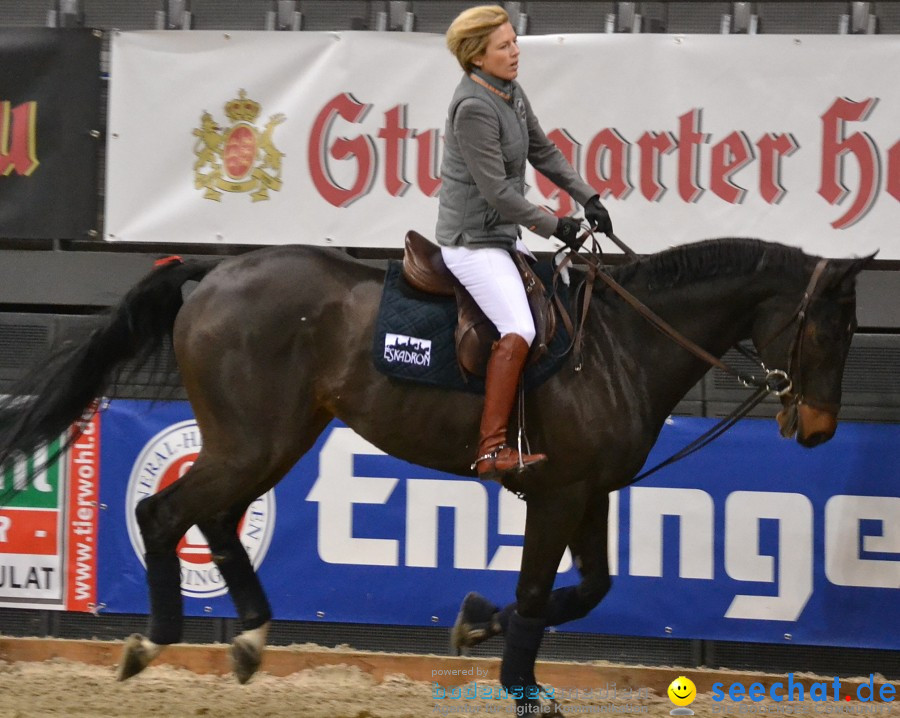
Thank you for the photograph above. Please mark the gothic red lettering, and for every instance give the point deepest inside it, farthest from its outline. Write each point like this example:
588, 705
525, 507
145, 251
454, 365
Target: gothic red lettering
893, 180
360, 149
427, 176
772, 148
729, 156
689, 140
836, 146
395, 133
570, 149
18, 138
653, 146
606, 164
343, 168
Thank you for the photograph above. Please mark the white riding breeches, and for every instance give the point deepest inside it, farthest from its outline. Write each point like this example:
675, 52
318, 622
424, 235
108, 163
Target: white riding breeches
491, 277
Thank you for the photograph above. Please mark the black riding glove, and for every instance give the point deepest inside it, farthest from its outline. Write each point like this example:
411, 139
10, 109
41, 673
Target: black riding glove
597, 216
568, 229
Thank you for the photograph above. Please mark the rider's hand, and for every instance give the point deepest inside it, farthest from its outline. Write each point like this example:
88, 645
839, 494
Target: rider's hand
568, 229
597, 216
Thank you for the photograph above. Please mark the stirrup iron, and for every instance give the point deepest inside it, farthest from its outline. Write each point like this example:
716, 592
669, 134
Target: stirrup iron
494, 454
521, 434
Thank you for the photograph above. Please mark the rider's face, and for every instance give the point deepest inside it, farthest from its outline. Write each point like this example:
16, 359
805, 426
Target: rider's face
501, 57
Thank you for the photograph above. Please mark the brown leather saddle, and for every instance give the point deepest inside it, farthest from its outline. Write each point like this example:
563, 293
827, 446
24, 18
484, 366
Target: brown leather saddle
425, 271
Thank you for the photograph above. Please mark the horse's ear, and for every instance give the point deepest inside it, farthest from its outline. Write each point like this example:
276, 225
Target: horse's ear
845, 269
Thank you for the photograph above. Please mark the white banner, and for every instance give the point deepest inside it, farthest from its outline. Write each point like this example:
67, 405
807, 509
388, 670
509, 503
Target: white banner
335, 138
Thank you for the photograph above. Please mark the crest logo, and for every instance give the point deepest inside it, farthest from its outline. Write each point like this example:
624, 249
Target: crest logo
239, 158
165, 458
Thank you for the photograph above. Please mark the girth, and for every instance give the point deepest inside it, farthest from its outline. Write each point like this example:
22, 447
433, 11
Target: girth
425, 271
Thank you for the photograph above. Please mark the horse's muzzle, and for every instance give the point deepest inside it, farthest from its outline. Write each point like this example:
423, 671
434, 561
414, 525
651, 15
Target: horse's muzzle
811, 426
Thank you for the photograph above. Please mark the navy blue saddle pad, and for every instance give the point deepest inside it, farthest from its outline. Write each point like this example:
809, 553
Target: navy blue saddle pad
414, 338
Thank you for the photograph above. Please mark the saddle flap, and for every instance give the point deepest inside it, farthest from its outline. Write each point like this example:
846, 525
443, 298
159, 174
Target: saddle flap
475, 334
424, 268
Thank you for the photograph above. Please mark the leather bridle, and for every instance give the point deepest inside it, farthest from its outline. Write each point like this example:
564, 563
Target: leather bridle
794, 390
776, 382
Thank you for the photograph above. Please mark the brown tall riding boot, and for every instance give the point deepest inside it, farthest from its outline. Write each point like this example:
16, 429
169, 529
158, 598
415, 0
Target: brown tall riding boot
504, 369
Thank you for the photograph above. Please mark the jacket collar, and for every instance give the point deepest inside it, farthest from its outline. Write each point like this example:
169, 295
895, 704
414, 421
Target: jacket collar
503, 88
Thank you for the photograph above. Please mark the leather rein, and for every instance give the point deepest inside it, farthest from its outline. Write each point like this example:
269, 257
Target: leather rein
777, 382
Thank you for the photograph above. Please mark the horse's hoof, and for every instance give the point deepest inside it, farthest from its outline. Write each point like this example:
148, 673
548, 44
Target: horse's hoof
474, 623
136, 656
245, 658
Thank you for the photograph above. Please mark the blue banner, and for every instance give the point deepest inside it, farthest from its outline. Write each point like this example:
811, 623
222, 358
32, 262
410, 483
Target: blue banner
754, 538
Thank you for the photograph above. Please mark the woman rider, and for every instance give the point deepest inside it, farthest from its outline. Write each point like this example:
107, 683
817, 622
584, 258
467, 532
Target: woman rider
490, 133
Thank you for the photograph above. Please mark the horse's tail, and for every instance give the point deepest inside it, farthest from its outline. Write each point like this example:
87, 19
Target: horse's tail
56, 394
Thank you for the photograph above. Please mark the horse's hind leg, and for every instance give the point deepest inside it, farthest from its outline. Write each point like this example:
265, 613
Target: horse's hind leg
208, 488
245, 590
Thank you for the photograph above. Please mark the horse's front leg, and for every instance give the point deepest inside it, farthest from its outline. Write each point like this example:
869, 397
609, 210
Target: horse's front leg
549, 526
589, 551
480, 619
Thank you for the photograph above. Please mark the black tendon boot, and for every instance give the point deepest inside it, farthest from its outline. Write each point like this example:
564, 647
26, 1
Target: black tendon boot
244, 587
523, 639
164, 581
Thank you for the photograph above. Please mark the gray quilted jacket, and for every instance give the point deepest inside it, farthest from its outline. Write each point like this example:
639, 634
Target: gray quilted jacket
487, 142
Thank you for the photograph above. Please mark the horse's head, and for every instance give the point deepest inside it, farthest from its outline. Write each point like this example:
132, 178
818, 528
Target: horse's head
806, 331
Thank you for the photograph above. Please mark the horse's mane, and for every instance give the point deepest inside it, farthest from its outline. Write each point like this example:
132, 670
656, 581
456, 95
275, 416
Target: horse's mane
710, 259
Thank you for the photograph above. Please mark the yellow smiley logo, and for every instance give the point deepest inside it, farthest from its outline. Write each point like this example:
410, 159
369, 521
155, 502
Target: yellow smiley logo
682, 691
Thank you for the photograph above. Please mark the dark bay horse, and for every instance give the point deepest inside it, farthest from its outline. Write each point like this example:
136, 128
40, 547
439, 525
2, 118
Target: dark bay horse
273, 344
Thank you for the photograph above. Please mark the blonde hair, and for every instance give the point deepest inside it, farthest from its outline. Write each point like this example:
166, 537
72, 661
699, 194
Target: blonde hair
467, 37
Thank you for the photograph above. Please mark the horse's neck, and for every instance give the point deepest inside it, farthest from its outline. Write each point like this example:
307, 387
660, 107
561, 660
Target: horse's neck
714, 314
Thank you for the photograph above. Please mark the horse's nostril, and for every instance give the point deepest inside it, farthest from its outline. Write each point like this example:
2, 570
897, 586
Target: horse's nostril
815, 426
815, 439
